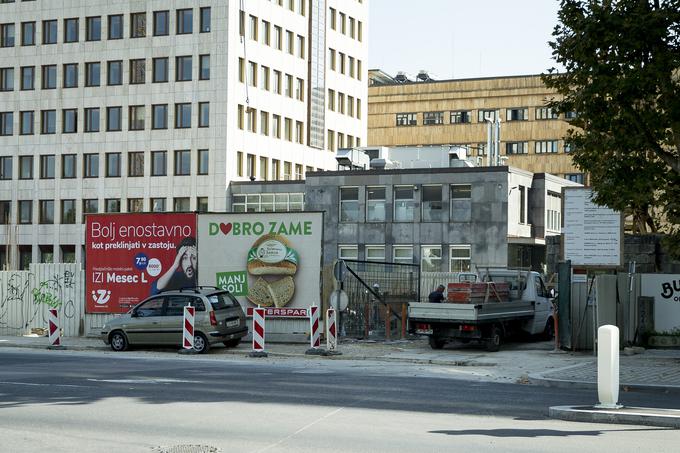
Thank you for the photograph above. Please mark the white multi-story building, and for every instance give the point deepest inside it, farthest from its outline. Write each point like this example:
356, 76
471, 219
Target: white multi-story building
157, 105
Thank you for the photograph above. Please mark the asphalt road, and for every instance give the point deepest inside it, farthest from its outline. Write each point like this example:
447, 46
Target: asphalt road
95, 402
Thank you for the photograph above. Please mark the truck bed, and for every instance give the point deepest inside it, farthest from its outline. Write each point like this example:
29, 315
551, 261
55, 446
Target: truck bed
470, 313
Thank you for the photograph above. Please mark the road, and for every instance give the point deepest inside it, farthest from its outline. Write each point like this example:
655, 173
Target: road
103, 402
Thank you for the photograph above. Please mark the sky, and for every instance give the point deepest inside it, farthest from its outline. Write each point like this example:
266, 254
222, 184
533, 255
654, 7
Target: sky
461, 38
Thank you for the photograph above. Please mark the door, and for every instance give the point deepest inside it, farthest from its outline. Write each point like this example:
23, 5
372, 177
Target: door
544, 308
145, 324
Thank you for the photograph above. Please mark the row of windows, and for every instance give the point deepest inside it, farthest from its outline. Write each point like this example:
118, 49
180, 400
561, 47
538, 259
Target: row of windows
270, 79
404, 199
113, 165
261, 31
67, 208
352, 109
247, 119
346, 25
430, 255
93, 27
338, 64
255, 167
114, 119
137, 73
45, 252
465, 116
268, 202
341, 143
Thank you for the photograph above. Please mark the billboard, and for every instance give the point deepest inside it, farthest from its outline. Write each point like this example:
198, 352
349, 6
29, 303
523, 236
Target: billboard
268, 259
131, 256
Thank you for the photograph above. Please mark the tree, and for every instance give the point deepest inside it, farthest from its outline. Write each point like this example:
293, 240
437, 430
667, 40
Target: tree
622, 78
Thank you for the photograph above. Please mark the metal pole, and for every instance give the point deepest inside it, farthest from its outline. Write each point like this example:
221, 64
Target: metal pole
497, 147
489, 144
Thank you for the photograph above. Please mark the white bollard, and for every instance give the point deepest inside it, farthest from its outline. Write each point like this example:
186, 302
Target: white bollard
608, 367
188, 331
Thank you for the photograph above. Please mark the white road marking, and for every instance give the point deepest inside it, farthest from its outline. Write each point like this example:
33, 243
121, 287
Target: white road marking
33, 384
146, 381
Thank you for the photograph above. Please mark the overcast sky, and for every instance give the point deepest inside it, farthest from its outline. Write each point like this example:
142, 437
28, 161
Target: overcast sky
461, 38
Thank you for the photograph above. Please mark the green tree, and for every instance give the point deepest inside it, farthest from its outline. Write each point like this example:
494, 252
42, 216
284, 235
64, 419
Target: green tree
622, 78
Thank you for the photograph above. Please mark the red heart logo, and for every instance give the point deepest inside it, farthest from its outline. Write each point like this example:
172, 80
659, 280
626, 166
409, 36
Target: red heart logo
225, 228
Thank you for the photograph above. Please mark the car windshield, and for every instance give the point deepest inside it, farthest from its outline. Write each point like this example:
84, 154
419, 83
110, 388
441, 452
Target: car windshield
220, 301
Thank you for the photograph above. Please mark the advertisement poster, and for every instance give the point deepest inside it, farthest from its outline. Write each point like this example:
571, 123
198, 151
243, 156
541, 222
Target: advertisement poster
665, 289
268, 259
132, 256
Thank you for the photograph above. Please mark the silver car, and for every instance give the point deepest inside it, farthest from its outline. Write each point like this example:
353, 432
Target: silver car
158, 320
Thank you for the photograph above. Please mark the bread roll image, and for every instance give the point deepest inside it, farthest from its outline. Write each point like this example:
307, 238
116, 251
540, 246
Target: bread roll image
272, 254
282, 291
277, 293
260, 294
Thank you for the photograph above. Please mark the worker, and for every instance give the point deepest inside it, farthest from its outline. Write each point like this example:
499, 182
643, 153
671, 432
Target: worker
437, 295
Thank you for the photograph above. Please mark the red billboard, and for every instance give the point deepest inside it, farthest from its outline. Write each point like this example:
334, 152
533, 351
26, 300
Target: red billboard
129, 257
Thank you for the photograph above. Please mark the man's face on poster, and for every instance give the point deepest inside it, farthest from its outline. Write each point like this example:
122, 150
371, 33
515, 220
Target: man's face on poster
190, 262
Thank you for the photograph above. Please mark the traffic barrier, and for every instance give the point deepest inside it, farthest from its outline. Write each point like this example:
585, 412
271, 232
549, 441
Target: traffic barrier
53, 328
188, 331
331, 330
258, 333
315, 334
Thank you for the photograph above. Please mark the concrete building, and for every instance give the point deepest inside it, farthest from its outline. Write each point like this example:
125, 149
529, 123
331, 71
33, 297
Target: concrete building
419, 111
158, 105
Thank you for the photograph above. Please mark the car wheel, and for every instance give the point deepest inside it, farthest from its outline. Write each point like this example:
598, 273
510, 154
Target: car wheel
232, 343
118, 341
201, 344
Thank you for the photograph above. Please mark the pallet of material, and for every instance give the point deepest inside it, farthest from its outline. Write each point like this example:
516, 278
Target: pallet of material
478, 292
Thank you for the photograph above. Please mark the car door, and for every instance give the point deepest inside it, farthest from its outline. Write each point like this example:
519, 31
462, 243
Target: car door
543, 306
145, 324
174, 316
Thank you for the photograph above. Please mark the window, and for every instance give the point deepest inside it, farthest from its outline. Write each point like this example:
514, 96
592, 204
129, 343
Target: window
91, 165
252, 73
28, 34
300, 90
183, 68
290, 42
523, 199
203, 114
402, 254
49, 32
404, 204
430, 258
432, 204
27, 78
264, 168
68, 166
459, 258
7, 35
69, 119
182, 115
430, 118
483, 115
5, 167
48, 122
46, 214
276, 126
406, 119
161, 23
26, 122
181, 204
461, 117
158, 205
278, 37
112, 205
92, 74
545, 113
135, 205
137, 25
158, 163
6, 123
68, 211
349, 204
159, 115
182, 162
348, 252
204, 67
46, 253
205, 20
47, 166
113, 165
264, 78
265, 33
299, 132
25, 214
138, 71
114, 72
253, 27
461, 200
113, 119
160, 70
288, 129
93, 28
71, 30
185, 21
570, 115
71, 75
49, 77
135, 164
517, 114
375, 253
301, 46
546, 146
203, 162
68, 253
250, 165
516, 148
333, 19
375, 204
202, 204
574, 177
136, 118
553, 209
25, 167
90, 206
115, 26
5, 215
264, 123
92, 119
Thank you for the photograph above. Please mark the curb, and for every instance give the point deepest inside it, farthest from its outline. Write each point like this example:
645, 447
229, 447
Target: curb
665, 418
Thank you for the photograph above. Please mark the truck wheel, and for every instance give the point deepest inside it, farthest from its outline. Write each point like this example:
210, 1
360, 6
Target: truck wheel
549, 331
493, 343
436, 343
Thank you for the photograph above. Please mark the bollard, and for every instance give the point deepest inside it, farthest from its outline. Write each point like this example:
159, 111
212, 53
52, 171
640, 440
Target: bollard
608, 367
258, 333
53, 329
331, 331
188, 331
314, 332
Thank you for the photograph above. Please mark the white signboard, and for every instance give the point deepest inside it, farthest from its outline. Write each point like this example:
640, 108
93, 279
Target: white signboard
268, 259
665, 289
592, 233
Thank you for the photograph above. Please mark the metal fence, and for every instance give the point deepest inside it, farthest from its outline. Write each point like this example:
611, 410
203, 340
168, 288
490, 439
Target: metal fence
378, 295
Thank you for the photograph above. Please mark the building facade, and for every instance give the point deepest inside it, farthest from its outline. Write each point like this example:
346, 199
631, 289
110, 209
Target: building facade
158, 105
403, 112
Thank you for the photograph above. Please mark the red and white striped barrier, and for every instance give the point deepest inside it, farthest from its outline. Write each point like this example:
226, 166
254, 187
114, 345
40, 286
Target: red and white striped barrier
258, 329
331, 330
53, 327
188, 331
315, 334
